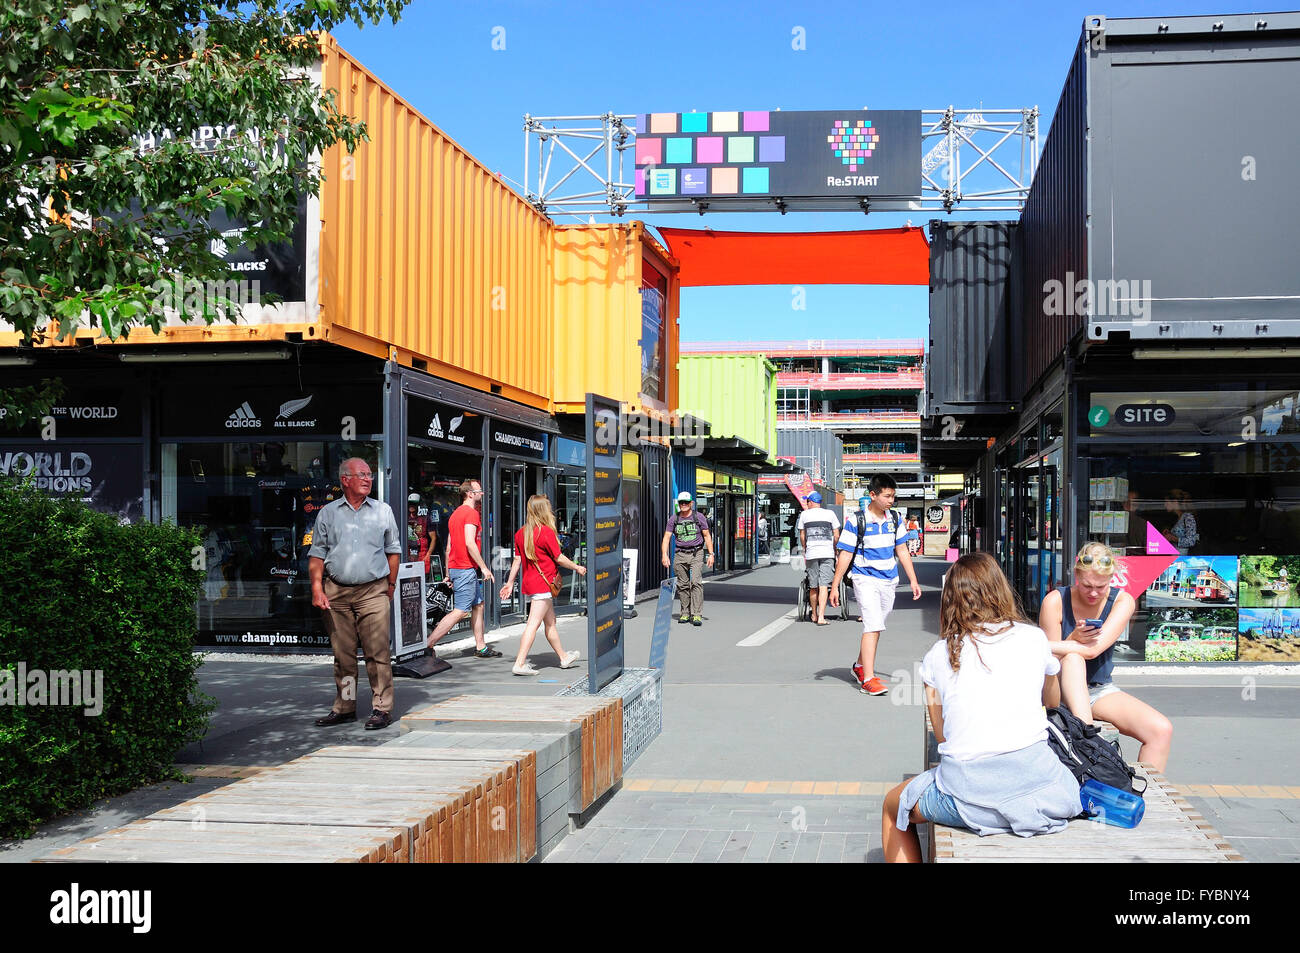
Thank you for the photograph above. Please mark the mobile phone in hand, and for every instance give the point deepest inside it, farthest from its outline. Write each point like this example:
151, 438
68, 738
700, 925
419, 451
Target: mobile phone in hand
1094, 623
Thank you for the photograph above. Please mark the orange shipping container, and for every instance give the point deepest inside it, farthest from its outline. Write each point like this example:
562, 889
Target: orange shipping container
417, 252
599, 274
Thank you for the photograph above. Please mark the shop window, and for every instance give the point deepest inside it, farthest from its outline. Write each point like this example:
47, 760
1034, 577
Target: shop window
654, 310
570, 519
256, 504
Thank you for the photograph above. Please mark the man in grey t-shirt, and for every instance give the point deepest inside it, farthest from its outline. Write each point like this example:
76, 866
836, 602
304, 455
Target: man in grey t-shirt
819, 531
355, 551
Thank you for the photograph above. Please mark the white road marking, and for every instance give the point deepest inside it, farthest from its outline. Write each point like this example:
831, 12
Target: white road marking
770, 630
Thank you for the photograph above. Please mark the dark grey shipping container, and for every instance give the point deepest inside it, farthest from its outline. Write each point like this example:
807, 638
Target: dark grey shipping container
809, 445
1162, 205
975, 302
1053, 233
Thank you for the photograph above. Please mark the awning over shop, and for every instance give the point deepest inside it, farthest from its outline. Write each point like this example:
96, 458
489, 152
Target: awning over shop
886, 256
735, 453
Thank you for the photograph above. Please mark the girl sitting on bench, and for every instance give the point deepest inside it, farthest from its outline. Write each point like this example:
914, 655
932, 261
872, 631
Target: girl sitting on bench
984, 684
1085, 653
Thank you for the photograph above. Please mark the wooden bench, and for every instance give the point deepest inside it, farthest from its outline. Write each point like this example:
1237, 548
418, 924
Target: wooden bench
597, 723
472, 779
344, 804
557, 760
1171, 830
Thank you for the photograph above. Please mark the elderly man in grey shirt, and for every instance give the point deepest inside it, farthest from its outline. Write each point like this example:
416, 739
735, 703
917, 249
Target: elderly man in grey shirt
353, 562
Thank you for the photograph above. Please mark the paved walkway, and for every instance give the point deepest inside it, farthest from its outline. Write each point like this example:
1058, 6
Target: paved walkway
769, 753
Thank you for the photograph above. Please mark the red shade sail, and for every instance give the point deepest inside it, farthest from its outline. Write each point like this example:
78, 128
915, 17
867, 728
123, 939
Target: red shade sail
887, 256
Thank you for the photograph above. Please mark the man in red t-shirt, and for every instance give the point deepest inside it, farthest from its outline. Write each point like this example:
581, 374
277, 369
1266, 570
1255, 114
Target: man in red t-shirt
464, 563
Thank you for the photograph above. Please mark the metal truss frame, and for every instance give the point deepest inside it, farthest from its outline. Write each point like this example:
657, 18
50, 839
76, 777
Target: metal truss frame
594, 149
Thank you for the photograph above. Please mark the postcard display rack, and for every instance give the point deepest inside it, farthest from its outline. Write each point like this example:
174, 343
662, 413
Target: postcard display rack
1107, 518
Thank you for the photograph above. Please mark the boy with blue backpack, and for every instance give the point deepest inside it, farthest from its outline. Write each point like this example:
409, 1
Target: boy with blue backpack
871, 547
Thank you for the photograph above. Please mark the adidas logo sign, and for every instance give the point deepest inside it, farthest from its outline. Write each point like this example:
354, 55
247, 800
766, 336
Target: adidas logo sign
435, 428
243, 417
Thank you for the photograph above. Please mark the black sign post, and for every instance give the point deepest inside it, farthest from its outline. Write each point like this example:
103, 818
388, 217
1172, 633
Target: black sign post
604, 520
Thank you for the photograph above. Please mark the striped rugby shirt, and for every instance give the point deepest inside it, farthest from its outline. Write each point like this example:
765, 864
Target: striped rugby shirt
876, 560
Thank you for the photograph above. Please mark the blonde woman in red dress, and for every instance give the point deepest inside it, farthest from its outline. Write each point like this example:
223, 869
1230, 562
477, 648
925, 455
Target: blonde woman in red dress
537, 550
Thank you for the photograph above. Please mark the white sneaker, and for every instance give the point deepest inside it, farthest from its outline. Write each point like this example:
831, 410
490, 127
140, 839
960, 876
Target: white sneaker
569, 659
525, 669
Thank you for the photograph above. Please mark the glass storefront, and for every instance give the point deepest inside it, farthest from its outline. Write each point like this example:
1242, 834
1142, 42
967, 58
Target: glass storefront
1198, 485
256, 503
570, 513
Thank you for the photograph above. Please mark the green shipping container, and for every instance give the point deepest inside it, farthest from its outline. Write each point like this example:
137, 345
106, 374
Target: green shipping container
735, 393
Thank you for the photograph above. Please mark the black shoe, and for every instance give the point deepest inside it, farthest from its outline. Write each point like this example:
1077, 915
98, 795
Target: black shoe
697, 620
336, 718
486, 652
378, 719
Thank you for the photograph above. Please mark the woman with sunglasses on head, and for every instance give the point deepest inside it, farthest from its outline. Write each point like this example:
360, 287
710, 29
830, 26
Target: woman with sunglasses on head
985, 682
537, 550
1085, 652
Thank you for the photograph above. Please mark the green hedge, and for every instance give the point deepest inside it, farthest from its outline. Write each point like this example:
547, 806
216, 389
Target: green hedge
82, 592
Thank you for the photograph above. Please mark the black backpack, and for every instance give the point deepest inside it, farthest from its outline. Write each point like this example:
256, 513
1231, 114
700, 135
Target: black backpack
862, 528
1082, 749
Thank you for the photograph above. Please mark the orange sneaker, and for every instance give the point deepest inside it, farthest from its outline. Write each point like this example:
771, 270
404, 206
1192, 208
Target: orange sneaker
873, 686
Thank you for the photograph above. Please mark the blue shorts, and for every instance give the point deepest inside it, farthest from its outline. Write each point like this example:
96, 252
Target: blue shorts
468, 588
939, 807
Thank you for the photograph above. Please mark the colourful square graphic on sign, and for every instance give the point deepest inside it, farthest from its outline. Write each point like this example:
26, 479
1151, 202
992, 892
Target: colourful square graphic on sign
640, 181
726, 122
695, 122
663, 182
708, 149
754, 181
695, 181
649, 151
725, 181
756, 122
663, 122
679, 151
639, 124
740, 149
771, 148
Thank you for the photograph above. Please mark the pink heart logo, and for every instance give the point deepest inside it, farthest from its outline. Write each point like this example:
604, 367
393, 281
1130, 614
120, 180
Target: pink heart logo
853, 141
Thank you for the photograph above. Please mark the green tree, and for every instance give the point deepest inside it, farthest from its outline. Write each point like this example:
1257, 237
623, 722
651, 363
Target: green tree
98, 205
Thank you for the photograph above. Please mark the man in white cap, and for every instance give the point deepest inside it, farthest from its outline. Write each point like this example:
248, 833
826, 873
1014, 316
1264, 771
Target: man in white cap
819, 531
694, 547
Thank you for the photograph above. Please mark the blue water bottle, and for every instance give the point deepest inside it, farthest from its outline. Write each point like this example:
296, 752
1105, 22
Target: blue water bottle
1117, 808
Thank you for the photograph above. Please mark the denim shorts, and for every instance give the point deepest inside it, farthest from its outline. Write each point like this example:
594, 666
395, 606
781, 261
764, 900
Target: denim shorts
1100, 690
939, 807
468, 587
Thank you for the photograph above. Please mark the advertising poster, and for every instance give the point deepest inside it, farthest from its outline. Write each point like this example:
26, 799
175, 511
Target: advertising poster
1266, 635
938, 529
1195, 581
1192, 635
1269, 582
105, 477
792, 154
408, 613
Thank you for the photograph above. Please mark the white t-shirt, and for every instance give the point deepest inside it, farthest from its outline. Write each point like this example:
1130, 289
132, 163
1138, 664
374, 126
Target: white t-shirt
997, 706
818, 525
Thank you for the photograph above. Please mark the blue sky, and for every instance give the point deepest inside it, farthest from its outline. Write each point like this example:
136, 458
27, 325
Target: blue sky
589, 58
